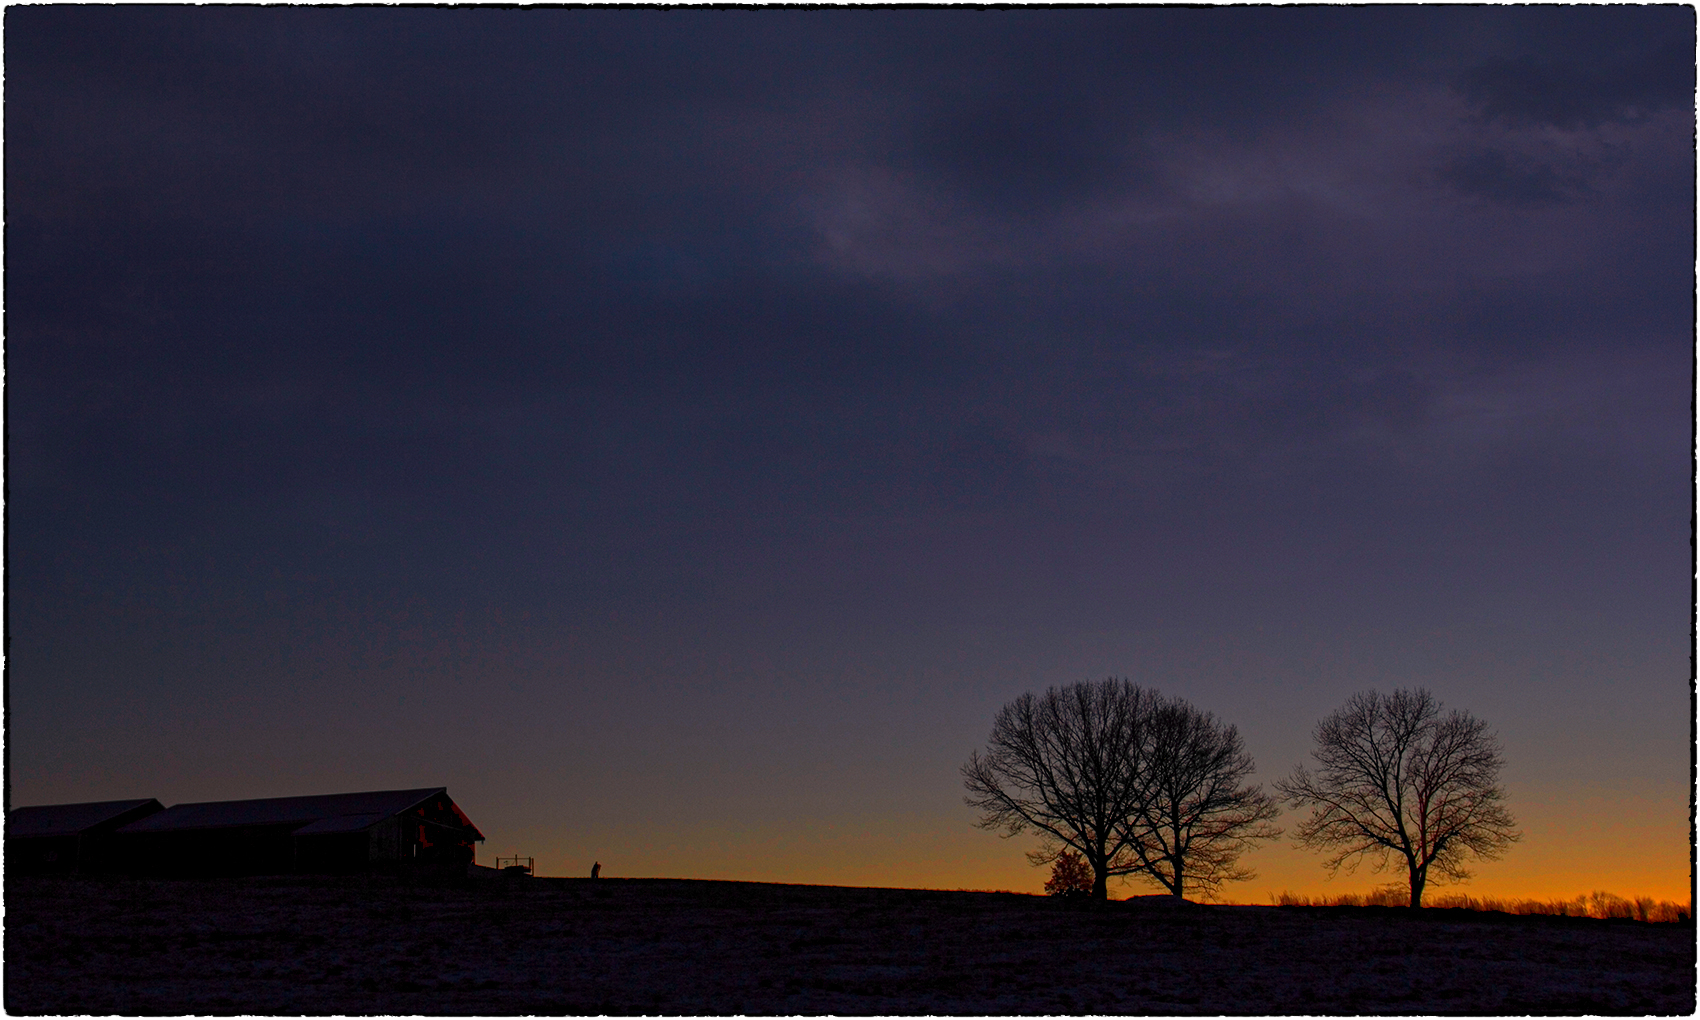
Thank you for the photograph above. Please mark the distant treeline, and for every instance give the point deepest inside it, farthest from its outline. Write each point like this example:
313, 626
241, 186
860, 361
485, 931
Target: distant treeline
1601, 905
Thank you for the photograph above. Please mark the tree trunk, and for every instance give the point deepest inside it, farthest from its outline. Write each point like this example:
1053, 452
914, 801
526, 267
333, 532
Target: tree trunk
1178, 881
1100, 883
1419, 877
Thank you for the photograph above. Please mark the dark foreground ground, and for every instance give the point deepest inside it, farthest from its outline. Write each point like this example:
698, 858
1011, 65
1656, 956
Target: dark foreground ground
646, 946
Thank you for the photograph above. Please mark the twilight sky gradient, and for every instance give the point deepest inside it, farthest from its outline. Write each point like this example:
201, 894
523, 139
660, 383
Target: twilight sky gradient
678, 432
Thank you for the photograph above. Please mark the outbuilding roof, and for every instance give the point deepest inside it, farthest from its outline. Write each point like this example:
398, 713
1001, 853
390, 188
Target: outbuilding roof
70, 819
336, 812
342, 823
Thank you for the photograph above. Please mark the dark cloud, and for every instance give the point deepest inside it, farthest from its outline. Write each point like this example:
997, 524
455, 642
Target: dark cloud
1590, 88
1499, 177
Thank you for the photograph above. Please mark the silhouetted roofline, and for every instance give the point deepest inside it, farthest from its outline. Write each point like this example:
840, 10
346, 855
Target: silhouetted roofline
71, 819
335, 812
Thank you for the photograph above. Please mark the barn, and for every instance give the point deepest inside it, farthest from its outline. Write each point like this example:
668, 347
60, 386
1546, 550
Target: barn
66, 838
385, 830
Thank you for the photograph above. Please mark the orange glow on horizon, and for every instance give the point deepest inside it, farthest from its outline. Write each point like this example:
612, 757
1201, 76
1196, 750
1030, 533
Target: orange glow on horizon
1623, 845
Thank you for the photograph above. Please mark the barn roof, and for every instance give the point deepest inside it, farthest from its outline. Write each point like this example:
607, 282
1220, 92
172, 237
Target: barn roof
70, 819
336, 812
342, 823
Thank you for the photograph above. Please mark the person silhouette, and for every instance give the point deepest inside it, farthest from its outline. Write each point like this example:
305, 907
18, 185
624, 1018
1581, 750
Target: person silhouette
596, 870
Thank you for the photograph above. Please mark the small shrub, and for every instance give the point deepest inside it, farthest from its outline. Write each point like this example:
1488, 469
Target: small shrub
1604, 904
1069, 876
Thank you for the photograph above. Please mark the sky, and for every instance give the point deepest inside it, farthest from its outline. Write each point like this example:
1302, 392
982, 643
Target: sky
678, 432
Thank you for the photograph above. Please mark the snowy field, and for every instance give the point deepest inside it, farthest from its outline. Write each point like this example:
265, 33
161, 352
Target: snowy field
659, 946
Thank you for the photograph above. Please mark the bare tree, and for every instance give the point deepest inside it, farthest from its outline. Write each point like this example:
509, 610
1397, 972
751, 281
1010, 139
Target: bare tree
1066, 765
1196, 812
1399, 781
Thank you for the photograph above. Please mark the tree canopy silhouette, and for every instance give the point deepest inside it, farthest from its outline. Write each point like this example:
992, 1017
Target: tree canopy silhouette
1197, 813
1069, 876
1066, 765
1397, 780
1134, 783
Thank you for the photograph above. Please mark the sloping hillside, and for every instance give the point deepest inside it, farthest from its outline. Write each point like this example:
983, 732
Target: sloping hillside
362, 946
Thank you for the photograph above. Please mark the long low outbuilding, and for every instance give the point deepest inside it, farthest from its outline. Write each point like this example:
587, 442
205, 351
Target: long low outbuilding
382, 830
67, 838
